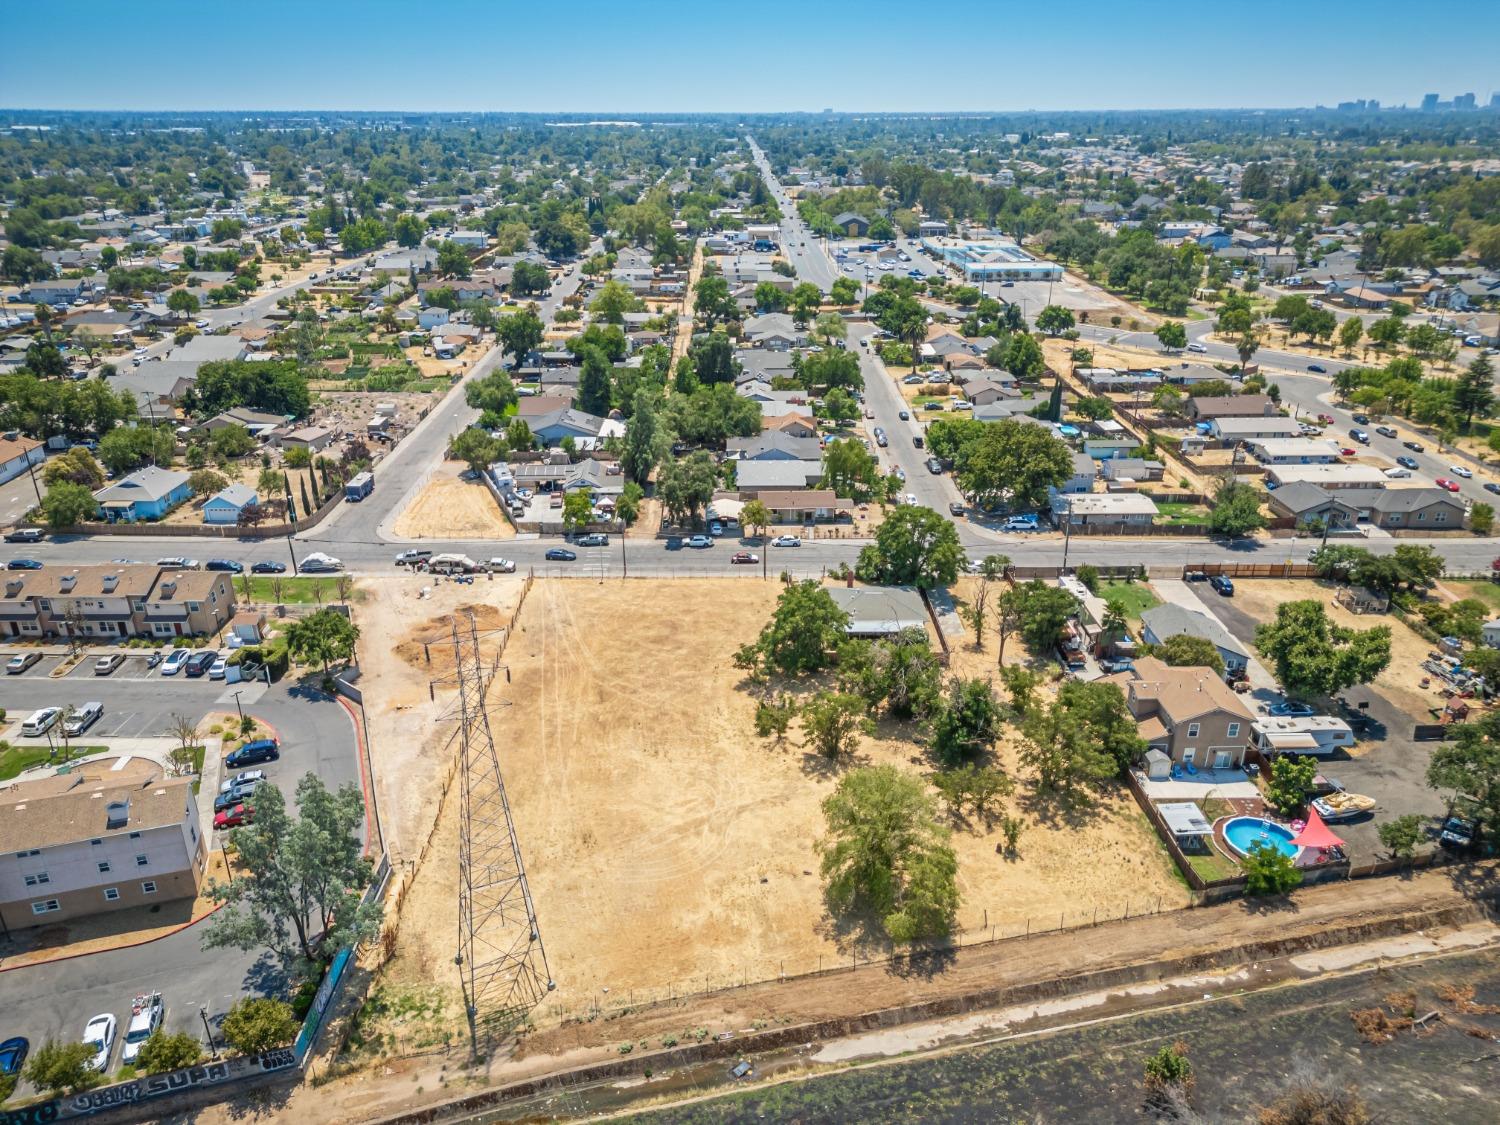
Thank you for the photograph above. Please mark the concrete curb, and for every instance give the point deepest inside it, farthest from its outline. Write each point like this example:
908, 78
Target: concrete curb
113, 948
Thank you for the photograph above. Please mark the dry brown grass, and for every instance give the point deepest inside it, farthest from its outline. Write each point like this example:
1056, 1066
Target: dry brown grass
450, 508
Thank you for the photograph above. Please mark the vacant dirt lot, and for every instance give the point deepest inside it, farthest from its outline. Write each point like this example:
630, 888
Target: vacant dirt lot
670, 848
450, 508
1399, 683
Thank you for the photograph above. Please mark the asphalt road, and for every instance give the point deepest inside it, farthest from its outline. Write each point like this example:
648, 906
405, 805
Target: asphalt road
798, 244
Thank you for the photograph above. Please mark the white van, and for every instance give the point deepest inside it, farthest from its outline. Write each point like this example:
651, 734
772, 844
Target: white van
82, 718
40, 722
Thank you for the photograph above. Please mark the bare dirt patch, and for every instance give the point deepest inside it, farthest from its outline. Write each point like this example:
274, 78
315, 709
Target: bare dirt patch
1399, 683
450, 508
671, 849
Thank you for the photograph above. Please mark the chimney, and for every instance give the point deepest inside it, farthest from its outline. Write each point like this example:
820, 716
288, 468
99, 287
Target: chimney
67, 582
13, 587
168, 588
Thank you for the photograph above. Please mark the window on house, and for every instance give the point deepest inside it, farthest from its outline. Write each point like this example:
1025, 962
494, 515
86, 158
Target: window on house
135, 835
39, 879
1439, 517
1234, 730
23, 855
111, 894
45, 907
1192, 730
142, 861
1421, 516
194, 607
96, 843
104, 867
148, 887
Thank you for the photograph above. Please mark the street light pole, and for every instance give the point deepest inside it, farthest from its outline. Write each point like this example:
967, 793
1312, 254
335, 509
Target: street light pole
203, 1013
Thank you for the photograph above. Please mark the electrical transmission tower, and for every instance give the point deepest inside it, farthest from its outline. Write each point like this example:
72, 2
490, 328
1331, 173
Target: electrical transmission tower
501, 961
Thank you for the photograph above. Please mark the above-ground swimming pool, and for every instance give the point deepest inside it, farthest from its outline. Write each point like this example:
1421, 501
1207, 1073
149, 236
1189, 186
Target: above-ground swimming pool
1247, 832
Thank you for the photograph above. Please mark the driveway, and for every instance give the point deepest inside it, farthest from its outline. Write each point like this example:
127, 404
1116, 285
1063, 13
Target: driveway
1186, 595
1388, 765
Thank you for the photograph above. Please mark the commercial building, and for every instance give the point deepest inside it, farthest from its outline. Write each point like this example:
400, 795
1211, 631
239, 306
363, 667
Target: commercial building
995, 259
113, 834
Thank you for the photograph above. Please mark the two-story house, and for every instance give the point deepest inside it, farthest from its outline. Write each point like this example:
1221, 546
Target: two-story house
1189, 714
110, 835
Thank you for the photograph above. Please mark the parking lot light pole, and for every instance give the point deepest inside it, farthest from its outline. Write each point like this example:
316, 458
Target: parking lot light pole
203, 1013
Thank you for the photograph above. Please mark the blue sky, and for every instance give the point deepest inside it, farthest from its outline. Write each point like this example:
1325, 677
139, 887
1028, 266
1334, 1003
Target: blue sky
711, 55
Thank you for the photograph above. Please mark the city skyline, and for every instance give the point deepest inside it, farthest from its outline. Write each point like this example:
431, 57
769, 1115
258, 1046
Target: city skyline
655, 58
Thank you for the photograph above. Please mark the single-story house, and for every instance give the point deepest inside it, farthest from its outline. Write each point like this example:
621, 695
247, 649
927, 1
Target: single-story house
1308, 503
1103, 510
147, 493
984, 390
774, 330
1131, 469
255, 421
1189, 714
566, 422
755, 477
803, 506
774, 445
1342, 475
1202, 409
796, 424
1418, 508
311, 438
1231, 430
19, 453
1163, 621
1490, 631
1294, 451
210, 349
880, 611
226, 505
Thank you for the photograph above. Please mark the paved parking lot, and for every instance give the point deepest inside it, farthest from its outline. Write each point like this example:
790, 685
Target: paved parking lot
1391, 767
56, 1000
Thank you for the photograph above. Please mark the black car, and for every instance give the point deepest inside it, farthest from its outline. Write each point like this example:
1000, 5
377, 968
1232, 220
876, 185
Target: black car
253, 753
24, 535
199, 663
955, 507
1456, 833
904, 416
224, 564
268, 568
1491, 486
1362, 419
559, 554
23, 564
1414, 446
1223, 586
1318, 368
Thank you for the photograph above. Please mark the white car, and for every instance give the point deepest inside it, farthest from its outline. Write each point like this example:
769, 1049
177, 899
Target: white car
145, 1018
501, 566
218, 669
175, 660
1461, 471
242, 778
786, 541
318, 563
100, 1035
1196, 347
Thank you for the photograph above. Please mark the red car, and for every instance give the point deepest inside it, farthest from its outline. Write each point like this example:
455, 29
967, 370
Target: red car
744, 557
234, 817
1450, 485
1346, 452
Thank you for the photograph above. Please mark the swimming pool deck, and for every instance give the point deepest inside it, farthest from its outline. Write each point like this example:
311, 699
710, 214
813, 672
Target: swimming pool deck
1226, 785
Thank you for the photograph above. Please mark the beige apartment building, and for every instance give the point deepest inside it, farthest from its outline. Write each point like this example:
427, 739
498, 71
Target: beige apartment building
111, 601
113, 834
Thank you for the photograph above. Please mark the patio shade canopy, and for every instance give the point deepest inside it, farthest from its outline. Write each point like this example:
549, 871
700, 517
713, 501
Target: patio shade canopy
1316, 834
1184, 818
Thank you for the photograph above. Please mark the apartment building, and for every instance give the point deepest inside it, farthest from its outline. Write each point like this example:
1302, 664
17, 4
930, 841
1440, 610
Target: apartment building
111, 835
113, 601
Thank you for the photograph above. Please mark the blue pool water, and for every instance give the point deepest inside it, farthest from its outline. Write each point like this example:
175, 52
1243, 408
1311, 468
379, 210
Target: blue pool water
1246, 832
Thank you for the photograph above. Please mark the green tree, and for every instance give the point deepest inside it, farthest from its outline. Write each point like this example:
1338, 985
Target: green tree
900, 672
1087, 735
829, 369
1312, 656
300, 893
327, 636
62, 1068
1350, 333
409, 229
1172, 335
914, 546
474, 448
494, 394
1168, 1072
1290, 784
712, 303
713, 359
529, 278
685, 487
453, 260
804, 301
755, 517
1054, 320
183, 303
1013, 463
1468, 764
234, 440
520, 333
1183, 650
1041, 613
162, 1052
1474, 390
613, 301
68, 504
1023, 357
296, 457
646, 441
971, 789
205, 482
76, 465
1236, 511
833, 721
256, 1024
885, 852
906, 319
769, 298
803, 634
1269, 871
967, 722
1401, 836
578, 511
845, 291
1482, 519
594, 388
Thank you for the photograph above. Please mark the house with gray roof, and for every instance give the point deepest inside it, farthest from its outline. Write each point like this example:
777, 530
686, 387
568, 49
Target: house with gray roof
752, 477
225, 506
774, 330
880, 611
1163, 621
774, 445
147, 493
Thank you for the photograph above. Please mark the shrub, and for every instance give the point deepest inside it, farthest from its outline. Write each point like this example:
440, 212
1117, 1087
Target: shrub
258, 1024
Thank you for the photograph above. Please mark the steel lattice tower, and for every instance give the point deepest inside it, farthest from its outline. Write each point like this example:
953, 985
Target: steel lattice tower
501, 961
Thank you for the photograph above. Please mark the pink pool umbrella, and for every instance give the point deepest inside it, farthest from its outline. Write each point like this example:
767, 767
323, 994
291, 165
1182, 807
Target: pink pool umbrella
1316, 834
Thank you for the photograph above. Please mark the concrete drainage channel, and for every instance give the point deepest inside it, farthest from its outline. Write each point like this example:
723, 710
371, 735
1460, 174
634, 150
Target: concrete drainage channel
700, 1068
